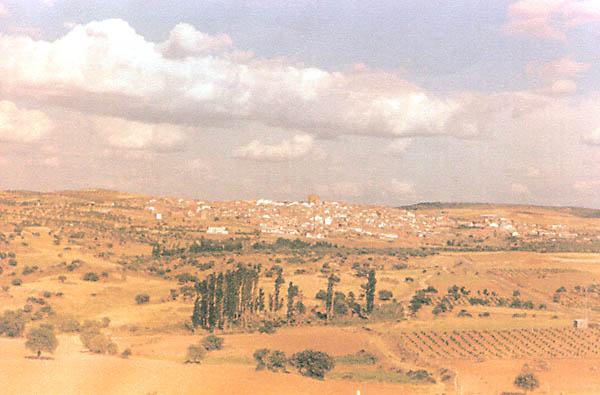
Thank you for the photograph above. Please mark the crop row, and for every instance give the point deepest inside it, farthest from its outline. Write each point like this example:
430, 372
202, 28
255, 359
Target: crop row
502, 344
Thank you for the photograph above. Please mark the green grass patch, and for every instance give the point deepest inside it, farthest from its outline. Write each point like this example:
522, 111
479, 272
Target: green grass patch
360, 358
229, 360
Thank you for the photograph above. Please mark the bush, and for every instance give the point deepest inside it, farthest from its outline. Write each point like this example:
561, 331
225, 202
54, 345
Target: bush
420, 375
267, 327
195, 354
272, 360
312, 363
260, 356
384, 294
321, 295
527, 381
212, 342
12, 324
69, 325
277, 361
101, 344
16, 282
142, 298
94, 340
90, 276
126, 353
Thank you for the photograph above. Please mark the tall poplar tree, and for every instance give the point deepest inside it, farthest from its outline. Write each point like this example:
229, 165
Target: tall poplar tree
370, 291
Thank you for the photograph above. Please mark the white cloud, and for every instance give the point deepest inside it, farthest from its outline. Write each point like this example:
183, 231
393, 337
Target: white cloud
558, 76
3, 11
184, 40
121, 133
108, 69
549, 19
564, 68
294, 148
22, 125
563, 87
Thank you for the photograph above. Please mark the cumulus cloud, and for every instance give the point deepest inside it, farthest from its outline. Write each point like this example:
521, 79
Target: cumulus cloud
294, 148
558, 76
22, 125
122, 133
548, 19
108, 69
184, 40
564, 68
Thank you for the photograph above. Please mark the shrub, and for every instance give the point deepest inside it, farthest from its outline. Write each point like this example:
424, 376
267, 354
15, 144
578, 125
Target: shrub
126, 353
101, 344
321, 295
527, 381
267, 327
90, 276
384, 294
69, 325
312, 363
273, 360
195, 353
260, 356
212, 342
277, 361
12, 323
94, 340
420, 375
16, 282
142, 298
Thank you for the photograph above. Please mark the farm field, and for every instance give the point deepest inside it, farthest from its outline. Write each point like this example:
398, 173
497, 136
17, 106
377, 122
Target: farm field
129, 297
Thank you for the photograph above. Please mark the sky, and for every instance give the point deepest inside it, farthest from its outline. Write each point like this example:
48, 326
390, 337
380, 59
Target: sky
384, 102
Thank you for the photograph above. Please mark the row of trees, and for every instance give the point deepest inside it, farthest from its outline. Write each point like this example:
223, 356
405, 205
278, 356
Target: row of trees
233, 298
228, 299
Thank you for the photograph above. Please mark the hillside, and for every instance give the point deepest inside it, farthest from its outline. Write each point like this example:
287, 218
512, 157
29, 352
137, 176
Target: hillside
460, 290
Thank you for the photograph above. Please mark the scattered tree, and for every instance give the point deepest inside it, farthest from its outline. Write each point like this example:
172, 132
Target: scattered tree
370, 291
312, 363
212, 342
527, 381
195, 353
41, 339
142, 298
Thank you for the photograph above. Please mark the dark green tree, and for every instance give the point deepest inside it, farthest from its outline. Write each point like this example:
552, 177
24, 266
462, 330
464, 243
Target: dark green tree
370, 291
41, 339
527, 381
276, 301
312, 363
292, 293
329, 296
